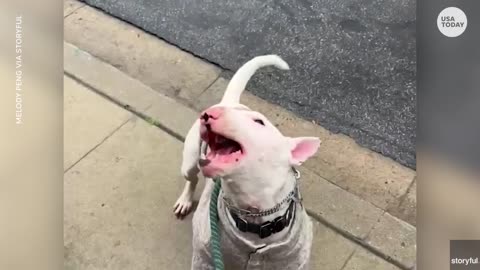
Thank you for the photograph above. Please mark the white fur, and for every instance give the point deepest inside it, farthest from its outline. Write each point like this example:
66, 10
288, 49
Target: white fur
263, 176
242, 76
191, 150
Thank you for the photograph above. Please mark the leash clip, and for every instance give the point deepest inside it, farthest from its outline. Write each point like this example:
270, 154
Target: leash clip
296, 173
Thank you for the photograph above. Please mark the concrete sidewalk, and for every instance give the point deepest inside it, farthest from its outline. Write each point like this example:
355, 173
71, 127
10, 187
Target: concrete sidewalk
125, 119
122, 177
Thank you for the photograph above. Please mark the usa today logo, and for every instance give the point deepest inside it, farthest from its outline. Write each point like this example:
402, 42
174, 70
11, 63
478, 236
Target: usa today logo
452, 22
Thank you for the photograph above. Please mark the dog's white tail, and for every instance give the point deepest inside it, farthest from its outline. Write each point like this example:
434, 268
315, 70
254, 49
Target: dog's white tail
242, 76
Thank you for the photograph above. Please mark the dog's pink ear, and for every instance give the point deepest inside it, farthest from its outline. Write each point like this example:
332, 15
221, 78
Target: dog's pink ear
302, 148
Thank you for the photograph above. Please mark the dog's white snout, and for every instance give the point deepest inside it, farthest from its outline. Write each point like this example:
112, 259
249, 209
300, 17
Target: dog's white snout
211, 114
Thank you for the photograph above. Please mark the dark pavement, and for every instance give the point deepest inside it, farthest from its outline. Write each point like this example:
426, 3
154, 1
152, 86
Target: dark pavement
353, 62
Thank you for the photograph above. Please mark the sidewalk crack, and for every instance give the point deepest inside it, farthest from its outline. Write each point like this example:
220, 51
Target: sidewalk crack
348, 259
210, 85
359, 241
73, 11
403, 197
96, 146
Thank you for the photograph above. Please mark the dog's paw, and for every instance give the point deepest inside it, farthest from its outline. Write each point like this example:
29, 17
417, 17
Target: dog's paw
183, 206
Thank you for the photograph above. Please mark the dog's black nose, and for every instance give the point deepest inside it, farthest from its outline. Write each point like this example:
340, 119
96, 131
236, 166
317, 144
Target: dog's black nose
205, 117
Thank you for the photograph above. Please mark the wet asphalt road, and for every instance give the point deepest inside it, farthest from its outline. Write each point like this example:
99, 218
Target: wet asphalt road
353, 62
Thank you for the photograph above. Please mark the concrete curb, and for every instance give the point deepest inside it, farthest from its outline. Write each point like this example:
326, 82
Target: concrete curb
127, 92
346, 213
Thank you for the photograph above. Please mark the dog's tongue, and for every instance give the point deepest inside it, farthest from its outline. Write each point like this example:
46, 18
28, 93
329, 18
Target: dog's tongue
225, 154
222, 149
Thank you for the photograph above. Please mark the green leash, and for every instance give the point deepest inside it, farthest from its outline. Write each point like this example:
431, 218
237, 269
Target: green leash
215, 234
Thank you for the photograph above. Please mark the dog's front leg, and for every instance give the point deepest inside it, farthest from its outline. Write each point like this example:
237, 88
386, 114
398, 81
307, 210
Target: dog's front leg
189, 170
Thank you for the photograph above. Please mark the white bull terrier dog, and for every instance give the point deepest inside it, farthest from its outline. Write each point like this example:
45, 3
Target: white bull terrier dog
263, 224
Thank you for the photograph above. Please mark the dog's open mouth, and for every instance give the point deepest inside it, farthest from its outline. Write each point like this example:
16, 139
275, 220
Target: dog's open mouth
221, 148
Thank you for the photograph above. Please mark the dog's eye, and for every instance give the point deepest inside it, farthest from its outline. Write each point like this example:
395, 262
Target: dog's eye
259, 121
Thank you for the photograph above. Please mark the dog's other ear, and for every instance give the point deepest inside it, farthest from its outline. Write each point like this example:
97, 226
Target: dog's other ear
302, 148
191, 152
